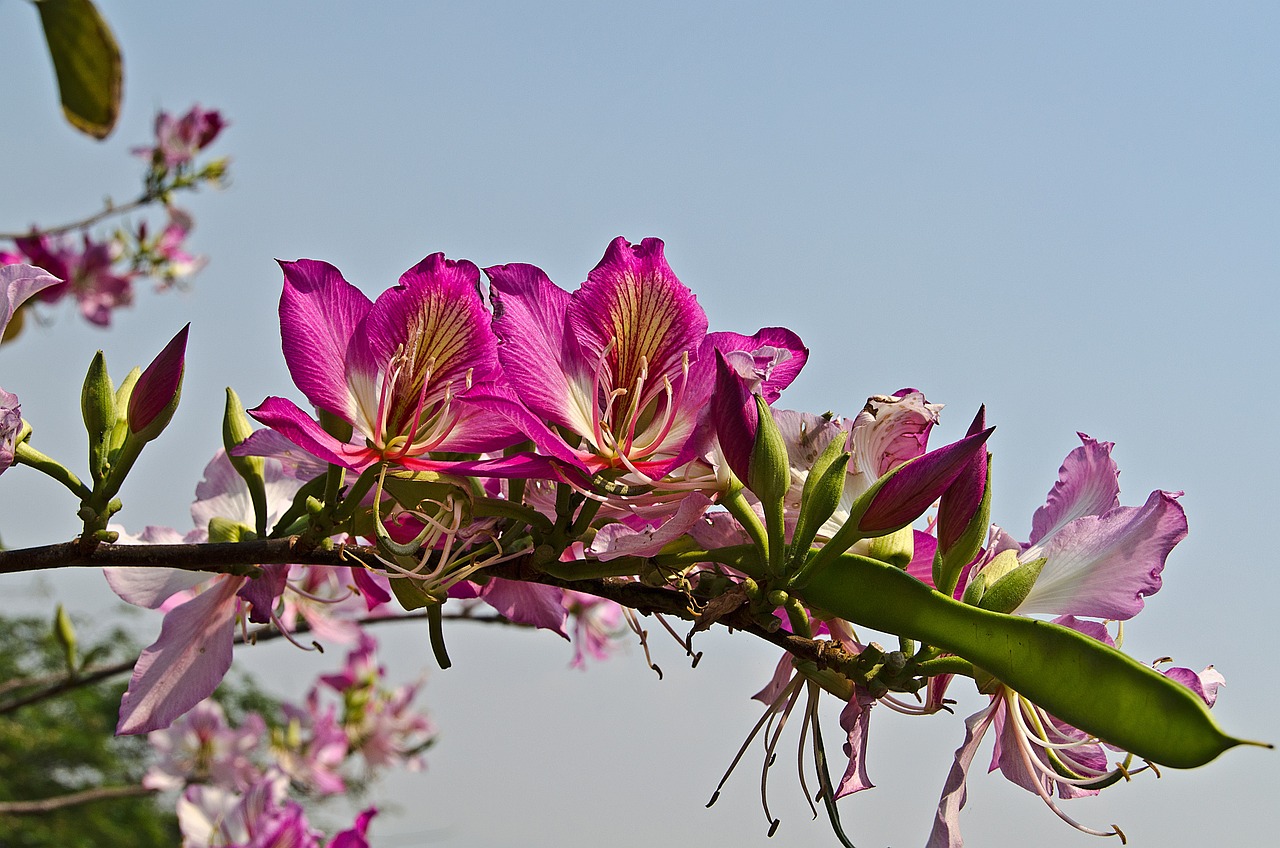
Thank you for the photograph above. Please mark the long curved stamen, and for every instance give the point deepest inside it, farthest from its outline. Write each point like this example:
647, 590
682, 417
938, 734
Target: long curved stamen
385, 394
1028, 761
675, 400
597, 386
401, 443
627, 427
786, 694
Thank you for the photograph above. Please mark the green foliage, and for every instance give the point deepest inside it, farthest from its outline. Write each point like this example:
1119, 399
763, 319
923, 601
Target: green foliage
65, 743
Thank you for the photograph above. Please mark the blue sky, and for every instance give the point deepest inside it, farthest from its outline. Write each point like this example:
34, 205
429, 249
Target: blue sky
1067, 213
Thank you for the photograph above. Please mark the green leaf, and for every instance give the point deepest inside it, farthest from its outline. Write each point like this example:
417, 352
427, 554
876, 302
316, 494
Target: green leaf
86, 60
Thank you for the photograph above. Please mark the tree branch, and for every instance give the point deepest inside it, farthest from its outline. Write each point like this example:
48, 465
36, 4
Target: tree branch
87, 796
54, 685
244, 557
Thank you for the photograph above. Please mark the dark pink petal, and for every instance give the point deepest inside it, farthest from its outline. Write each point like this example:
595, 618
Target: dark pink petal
529, 319
159, 383
1104, 566
319, 313
262, 592
777, 353
528, 603
946, 822
634, 313
855, 720
479, 429
300, 428
921, 565
1088, 484
373, 592
918, 484
185, 664
357, 835
503, 400
437, 314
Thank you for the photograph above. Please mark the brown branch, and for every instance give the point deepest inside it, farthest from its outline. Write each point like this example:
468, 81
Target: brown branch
87, 796
54, 685
108, 210
244, 557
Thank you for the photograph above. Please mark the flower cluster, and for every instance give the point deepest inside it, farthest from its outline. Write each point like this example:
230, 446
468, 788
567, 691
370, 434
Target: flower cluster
100, 273
606, 431
242, 785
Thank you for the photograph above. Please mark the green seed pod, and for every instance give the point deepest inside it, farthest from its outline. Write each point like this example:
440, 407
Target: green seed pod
1075, 678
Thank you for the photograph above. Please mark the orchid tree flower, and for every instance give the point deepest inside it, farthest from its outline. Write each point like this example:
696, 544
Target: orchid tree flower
1099, 559
1087, 556
619, 373
401, 370
193, 652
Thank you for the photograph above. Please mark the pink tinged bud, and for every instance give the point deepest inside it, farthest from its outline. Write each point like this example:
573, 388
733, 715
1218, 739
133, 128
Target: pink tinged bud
155, 397
915, 485
961, 500
736, 418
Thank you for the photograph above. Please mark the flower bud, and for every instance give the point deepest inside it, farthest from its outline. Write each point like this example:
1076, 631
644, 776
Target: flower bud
98, 409
155, 397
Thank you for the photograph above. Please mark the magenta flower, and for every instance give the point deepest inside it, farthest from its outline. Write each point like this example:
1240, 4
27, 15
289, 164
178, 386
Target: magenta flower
179, 139
402, 370
623, 366
87, 272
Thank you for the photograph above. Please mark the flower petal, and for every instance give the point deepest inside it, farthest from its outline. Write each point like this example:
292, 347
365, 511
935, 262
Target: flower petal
17, 283
855, 719
185, 664
319, 313
1088, 484
618, 540
528, 603
946, 822
1103, 566
529, 318
300, 428
634, 313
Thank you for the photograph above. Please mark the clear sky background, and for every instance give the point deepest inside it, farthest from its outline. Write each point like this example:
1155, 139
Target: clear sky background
1067, 213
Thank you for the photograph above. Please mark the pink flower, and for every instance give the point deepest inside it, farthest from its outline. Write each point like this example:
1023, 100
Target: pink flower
178, 140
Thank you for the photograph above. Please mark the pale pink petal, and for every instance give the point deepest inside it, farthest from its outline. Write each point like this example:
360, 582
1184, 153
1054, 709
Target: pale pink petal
151, 587
619, 540
1088, 484
185, 664
946, 822
528, 603
1104, 566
